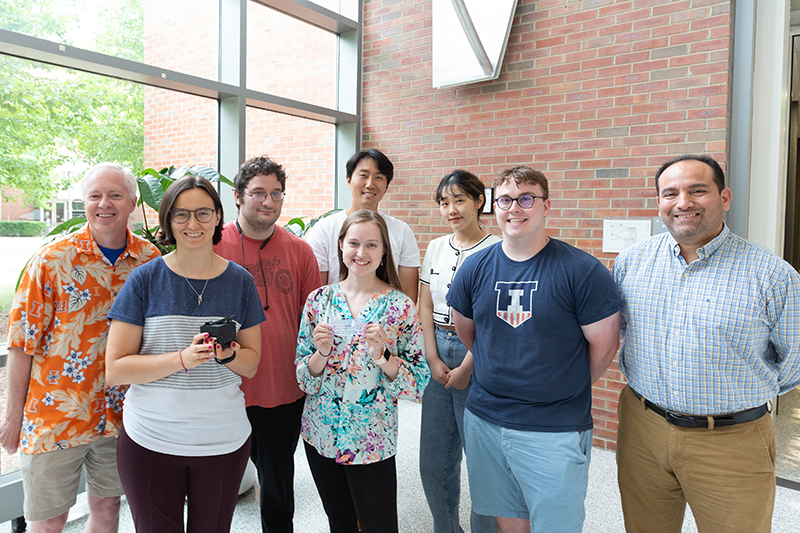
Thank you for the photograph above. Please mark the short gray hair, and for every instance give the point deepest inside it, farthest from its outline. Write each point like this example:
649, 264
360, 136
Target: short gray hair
130, 179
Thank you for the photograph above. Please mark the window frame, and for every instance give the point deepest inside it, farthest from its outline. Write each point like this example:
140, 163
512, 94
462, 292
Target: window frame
233, 97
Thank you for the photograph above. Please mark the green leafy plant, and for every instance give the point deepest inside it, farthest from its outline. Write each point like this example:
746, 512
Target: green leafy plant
152, 185
21, 228
298, 227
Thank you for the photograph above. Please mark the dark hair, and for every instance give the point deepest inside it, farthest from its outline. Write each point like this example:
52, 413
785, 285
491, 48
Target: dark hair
466, 182
386, 271
522, 174
178, 186
385, 166
719, 175
261, 165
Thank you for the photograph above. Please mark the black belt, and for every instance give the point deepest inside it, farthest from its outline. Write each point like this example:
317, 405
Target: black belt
689, 421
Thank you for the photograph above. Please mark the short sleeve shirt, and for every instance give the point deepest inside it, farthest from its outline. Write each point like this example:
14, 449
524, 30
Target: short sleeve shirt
324, 240
531, 359
59, 317
199, 412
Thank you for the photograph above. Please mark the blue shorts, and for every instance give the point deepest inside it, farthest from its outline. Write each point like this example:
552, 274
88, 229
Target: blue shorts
528, 474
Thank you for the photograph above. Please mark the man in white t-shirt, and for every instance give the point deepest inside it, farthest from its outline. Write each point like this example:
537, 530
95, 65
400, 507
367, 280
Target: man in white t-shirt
369, 173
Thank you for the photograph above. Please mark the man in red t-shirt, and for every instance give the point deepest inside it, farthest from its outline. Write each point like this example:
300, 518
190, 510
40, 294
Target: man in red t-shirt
285, 271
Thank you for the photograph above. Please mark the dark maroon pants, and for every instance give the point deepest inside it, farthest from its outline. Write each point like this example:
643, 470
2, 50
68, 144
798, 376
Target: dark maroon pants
156, 486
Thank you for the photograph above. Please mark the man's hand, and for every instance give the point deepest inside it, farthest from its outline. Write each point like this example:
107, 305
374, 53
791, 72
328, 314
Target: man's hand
9, 434
459, 378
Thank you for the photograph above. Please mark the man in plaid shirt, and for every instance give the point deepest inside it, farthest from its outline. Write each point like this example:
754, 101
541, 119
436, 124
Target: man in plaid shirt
711, 333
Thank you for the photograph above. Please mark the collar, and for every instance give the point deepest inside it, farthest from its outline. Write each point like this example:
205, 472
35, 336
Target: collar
708, 249
87, 244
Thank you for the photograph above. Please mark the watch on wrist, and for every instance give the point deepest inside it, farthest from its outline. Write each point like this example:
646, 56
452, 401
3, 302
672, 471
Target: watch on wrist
385, 356
227, 359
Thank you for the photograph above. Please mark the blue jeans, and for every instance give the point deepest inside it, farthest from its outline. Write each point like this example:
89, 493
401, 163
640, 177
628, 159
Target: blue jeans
441, 438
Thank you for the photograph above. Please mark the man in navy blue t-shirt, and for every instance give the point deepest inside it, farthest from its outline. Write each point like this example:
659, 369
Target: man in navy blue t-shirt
542, 320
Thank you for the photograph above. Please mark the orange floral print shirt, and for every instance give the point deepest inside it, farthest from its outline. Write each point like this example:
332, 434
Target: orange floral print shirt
59, 318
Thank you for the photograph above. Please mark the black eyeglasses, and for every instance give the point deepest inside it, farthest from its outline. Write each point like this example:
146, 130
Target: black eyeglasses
202, 215
525, 201
277, 196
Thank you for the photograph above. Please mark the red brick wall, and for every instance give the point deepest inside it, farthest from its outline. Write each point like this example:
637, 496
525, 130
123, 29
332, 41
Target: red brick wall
595, 93
15, 208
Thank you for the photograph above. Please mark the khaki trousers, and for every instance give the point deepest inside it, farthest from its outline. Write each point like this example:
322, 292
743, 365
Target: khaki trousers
726, 474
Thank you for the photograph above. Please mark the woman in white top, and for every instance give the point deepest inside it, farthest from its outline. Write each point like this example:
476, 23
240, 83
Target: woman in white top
461, 198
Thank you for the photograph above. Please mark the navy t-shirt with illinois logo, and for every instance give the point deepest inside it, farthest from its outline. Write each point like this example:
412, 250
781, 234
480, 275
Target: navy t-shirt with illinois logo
531, 360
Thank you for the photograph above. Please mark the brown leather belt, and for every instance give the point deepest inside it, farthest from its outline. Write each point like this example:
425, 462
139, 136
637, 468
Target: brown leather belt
691, 421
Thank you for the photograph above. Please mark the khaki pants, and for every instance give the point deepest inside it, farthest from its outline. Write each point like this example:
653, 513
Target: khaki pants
726, 474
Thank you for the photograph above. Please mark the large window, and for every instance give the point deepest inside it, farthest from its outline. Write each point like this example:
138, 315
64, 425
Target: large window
152, 83
305, 148
288, 57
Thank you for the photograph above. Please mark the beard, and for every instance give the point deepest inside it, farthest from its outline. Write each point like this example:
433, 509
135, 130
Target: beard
259, 223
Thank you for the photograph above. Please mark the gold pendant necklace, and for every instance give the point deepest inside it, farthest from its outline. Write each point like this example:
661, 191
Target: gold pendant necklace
199, 294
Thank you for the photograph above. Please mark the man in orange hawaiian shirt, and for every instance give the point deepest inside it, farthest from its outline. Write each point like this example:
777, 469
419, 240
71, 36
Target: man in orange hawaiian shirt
60, 411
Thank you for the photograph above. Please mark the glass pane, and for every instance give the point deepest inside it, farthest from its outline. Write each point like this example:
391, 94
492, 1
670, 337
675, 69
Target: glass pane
332, 5
181, 35
289, 58
346, 8
305, 149
57, 123
179, 129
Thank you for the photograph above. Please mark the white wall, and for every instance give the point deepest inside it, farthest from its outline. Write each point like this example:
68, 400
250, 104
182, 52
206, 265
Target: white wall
770, 121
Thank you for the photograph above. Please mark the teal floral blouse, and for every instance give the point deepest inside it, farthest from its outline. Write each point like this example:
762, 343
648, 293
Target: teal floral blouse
350, 412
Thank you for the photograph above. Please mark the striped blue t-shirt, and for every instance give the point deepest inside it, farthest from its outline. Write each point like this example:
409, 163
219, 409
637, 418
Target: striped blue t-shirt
200, 412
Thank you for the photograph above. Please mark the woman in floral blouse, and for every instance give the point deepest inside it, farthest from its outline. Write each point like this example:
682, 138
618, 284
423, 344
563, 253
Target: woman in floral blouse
360, 348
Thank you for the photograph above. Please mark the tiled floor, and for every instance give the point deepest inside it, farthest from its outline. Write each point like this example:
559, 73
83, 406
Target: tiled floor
603, 511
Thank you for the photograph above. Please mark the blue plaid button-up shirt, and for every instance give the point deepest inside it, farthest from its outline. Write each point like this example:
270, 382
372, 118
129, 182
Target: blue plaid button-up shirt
719, 335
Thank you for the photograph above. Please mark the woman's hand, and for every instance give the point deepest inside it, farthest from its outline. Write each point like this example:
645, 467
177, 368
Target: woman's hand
322, 337
439, 371
375, 336
227, 353
200, 351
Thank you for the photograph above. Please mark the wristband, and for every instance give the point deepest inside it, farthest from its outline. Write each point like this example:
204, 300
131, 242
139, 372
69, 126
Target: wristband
385, 356
326, 356
180, 356
227, 359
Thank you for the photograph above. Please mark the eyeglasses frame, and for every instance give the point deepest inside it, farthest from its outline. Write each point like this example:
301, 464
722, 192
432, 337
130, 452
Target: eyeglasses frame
517, 199
190, 213
265, 194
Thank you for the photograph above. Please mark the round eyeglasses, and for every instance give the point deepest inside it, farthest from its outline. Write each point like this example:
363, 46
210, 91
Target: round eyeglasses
202, 215
525, 201
259, 197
